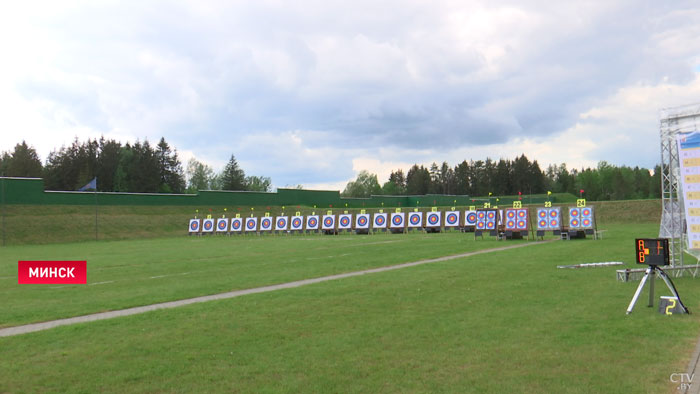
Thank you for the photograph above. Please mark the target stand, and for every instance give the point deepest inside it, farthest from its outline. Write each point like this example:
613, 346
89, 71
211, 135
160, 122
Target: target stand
654, 253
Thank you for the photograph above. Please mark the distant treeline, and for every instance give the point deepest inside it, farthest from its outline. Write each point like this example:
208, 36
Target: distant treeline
138, 168
511, 177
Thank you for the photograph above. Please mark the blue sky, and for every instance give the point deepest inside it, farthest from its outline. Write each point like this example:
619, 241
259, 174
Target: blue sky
312, 92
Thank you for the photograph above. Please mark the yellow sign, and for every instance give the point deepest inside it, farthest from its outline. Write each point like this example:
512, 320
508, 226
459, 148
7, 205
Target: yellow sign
208, 216
381, 211
415, 209
692, 178
547, 204
691, 162
267, 214
329, 212
362, 211
694, 211
453, 208
434, 209
495, 207
238, 216
693, 195
398, 210
695, 228
297, 213
345, 212
487, 205
472, 208
580, 203
517, 204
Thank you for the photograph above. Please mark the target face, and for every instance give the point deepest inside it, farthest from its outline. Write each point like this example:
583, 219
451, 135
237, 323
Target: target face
510, 224
452, 219
221, 224
297, 222
380, 220
481, 215
491, 215
328, 222
522, 224
470, 218
574, 223
312, 222
490, 225
434, 219
344, 221
542, 224
251, 224
236, 224
481, 225
541, 213
554, 213
397, 220
362, 220
266, 224
510, 214
554, 223
194, 225
522, 213
586, 212
574, 212
208, 225
415, 219
281, 223
586, 222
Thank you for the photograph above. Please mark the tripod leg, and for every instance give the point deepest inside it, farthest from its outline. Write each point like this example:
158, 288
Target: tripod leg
671, 287
639, 290
651, 287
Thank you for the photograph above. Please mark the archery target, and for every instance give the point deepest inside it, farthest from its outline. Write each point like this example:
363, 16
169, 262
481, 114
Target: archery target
397, 220
379, 220
251, 224
575, 217
236, 224
587, 217
362, 221
208, 226
328, 222
281, 223
470, 218
194, 225
511, 221
522, 218
221, 224
452, 219
297, 223
345, 222
266, 224
486, 219
312, 222
433, 219
542, 218
554, 218
415, 219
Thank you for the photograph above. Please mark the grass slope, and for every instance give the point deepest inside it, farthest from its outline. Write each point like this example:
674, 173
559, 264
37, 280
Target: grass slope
503, 322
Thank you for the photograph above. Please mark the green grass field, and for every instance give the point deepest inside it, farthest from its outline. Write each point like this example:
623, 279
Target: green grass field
506, 321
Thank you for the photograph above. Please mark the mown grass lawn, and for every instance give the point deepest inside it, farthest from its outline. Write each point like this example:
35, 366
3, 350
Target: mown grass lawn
506, 321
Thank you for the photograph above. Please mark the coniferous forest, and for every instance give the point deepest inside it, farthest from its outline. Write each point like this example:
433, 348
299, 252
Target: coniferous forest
141, 167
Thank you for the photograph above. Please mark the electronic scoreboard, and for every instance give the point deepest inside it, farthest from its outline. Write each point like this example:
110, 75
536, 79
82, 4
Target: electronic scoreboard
652, 251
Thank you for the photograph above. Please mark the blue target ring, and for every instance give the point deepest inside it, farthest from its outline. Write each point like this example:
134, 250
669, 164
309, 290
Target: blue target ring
266, 223
281, 223
362, 221
250, 224
296, 223
207, 225
312, 222
433, 219
415, 219
451, 218
222, 225
379, 220
345, 221
194, 226
328, 222
397, 220
236, 224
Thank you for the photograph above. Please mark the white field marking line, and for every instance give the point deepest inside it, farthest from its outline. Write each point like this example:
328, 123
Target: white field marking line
100, 283
165, 276
27, 328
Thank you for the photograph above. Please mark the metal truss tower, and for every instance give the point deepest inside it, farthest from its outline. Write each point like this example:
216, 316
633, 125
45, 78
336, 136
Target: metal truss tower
675, 121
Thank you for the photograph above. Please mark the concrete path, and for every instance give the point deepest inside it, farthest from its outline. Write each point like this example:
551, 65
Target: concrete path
10, 331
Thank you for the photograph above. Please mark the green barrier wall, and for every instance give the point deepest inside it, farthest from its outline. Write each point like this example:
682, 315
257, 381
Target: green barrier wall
31, 191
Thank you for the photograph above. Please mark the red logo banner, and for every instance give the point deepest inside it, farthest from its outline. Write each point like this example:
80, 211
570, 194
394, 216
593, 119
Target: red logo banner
52, 272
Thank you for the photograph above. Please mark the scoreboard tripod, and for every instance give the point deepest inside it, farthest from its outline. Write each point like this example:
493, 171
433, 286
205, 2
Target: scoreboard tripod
654, 253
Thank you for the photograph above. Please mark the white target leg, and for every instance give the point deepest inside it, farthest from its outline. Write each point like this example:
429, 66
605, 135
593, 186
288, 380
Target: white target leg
639, 291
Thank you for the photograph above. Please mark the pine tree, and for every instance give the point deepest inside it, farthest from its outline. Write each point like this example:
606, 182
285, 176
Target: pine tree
233, 177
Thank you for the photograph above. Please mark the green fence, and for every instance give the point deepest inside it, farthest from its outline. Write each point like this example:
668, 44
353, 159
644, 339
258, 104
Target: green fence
31, 191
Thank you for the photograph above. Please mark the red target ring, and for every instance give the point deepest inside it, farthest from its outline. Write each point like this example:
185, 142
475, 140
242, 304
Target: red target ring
543, 223
451, 218
510, 214
433, 219
207, 225
194, 226
362, 221
328, 222
397, 220
222, 225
